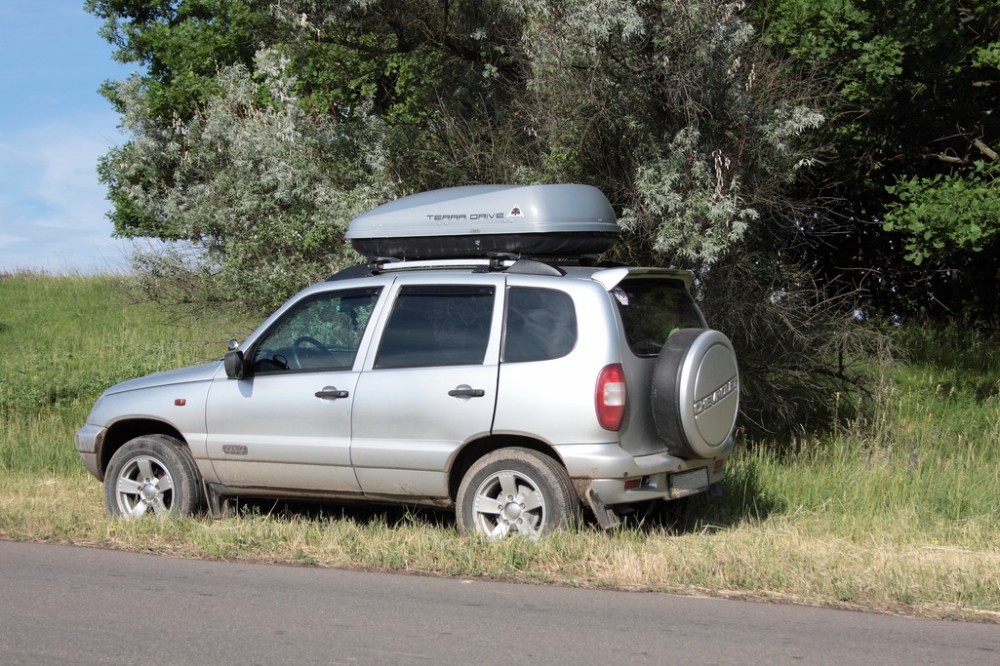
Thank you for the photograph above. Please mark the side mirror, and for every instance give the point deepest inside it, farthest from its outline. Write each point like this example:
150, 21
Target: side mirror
235, 368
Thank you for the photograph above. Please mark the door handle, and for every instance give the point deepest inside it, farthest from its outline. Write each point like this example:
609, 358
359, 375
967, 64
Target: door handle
466, 392
331, 392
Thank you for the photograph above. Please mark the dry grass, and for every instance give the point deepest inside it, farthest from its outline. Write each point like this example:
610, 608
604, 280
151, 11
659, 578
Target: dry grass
784, 558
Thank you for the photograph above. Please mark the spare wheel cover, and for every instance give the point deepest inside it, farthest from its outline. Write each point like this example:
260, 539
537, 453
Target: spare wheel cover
695, 392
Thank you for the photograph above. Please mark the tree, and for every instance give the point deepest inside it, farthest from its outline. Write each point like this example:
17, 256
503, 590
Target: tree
396, 64
947, 214
670, 108
916, 137
265, 189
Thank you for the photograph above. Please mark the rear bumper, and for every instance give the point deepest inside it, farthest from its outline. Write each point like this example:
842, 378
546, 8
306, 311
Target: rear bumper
663, 485
615, 477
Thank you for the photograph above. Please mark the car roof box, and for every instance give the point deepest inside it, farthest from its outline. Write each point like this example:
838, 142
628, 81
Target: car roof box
478, 220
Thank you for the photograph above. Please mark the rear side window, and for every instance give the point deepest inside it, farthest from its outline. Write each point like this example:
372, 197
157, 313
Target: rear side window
541, 325
434, 325
651, 310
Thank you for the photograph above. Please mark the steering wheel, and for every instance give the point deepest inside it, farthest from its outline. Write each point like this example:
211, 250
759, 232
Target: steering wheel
307, 340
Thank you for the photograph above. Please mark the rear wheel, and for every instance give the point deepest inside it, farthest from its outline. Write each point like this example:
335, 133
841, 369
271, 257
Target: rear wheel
515, 492
152, 474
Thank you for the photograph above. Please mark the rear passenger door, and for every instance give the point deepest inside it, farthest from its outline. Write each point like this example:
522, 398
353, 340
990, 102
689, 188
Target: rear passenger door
429, 384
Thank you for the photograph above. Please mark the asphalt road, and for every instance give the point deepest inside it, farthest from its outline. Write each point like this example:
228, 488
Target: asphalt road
61, 604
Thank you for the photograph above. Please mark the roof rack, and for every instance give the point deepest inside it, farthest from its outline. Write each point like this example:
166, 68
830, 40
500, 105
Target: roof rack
500, 263
386, 265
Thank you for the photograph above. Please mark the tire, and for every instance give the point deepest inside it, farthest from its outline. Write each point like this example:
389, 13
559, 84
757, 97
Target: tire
152, 474
696, 393
515, 492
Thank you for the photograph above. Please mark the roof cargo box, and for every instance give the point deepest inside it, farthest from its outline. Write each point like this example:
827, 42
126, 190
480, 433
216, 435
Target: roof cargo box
476, 220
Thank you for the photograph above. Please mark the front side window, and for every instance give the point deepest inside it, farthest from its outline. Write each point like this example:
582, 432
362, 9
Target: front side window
652, 309
436, 325
322, 332
541, 325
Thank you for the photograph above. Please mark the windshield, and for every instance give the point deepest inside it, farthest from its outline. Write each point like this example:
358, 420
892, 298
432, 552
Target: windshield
651, 309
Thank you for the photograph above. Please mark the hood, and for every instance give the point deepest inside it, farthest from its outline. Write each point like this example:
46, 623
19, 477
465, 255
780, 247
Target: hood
196, 373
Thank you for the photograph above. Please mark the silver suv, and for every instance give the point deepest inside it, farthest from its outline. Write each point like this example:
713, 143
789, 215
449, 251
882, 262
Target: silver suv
459, 372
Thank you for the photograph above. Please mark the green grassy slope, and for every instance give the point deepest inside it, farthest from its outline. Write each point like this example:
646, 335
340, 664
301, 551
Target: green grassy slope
898, 512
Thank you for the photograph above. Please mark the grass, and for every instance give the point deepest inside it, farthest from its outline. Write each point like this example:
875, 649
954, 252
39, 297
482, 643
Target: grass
894, 513
67, 339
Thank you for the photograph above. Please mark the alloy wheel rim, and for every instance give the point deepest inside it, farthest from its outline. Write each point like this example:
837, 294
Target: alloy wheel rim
508, 503
144, 486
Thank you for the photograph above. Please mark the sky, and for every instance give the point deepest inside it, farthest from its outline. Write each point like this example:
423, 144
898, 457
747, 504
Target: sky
54, 126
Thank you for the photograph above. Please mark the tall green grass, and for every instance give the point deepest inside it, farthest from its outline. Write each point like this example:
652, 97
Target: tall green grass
921, 467
897, 510
64, 340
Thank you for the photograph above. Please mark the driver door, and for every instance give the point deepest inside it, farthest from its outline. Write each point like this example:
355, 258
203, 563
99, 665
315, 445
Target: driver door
288, 424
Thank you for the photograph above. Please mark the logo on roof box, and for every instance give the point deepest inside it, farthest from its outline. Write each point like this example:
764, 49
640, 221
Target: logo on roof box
447, 217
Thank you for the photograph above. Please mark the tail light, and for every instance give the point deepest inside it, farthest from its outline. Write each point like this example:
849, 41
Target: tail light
609, 397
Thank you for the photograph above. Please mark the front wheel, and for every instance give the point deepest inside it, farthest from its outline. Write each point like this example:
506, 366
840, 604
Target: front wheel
515, 492
152, 474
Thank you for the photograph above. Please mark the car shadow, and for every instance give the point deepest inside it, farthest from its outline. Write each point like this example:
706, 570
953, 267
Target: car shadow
388, 515
742, 500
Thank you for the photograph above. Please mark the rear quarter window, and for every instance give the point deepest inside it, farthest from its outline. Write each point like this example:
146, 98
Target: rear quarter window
541, 325
651, 309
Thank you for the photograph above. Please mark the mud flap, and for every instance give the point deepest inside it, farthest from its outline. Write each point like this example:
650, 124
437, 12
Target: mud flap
606, 517
218, 506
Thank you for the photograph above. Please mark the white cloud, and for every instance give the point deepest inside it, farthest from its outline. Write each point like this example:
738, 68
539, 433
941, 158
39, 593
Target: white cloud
52, 207
10, 239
